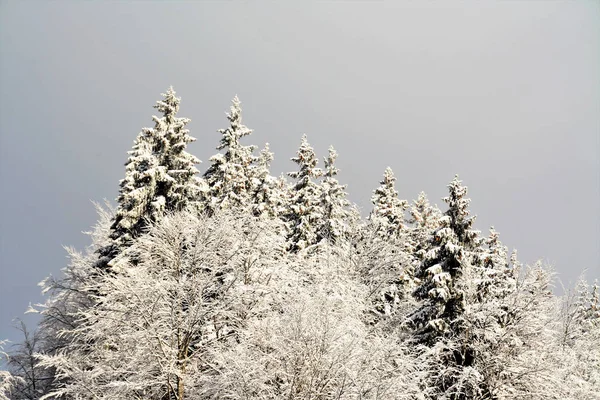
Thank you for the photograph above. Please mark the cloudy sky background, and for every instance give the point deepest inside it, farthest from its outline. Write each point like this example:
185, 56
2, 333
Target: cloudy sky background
506, 94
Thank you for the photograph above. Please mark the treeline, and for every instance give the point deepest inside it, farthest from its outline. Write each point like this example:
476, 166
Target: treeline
235, 284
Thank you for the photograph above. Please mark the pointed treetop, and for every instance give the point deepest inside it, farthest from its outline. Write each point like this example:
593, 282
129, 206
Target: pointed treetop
307, 159
388, 177
265, 157
423, 214
458, 211
330, 169
237, 130
169, 106
494, 237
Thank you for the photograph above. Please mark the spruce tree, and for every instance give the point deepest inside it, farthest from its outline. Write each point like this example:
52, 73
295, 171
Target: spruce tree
305, 211
337, 212
266, 195
497, 278
160, 176
229, 178
424, 219
388, 209
439, 327
454, 247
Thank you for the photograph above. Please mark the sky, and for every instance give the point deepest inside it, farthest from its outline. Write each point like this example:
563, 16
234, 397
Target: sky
504, 93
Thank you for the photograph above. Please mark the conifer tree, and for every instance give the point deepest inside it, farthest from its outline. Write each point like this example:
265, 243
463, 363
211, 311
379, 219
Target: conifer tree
424, 219
444, 277
388, 209
454, 247
229, 178
267, 198
305, 211
337, 214
498, 278
160, 176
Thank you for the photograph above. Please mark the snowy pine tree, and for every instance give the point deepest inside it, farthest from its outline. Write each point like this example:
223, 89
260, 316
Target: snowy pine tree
229, 177
305, 212
452, 249
266, 195
160, 176
338, 216
388, 210
424, 220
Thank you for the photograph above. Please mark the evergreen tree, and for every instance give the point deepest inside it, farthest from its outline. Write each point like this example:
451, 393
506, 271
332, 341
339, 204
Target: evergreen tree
160, 176
267, 197
229, 177
424, 220
388, 209
454, 247
337, 212
305, 211
498, 278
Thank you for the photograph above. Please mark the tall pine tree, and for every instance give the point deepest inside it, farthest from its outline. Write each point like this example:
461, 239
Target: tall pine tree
388, 210
160, 176
454, 246
266, 195
439, 328
229, 177
305, 211
337, 212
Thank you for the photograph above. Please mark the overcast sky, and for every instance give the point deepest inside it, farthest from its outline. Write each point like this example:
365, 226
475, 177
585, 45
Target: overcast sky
505, 93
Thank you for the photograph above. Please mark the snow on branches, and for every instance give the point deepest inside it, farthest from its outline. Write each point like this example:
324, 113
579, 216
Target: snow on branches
240, 285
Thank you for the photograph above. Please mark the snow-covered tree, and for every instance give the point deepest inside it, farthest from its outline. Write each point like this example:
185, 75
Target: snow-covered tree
338, 214
309, 341
160, 176
578, 341
454, 247
33, 379
424, 220
441, 287
381, 265
267, 195
229, 176
388, 209
383, 250
305, 211
491, 358
8, 381
66, 297
189, 288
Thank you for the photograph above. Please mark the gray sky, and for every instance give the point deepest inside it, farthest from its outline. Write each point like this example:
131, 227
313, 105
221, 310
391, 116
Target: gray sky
507, 94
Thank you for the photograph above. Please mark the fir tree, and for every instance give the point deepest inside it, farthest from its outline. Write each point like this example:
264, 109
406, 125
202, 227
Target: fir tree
497, 277
424, 219
454, 247
452, 250
388, 209
305, 211
229, 177
443, 278
160, 176
337, 214
267, 197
